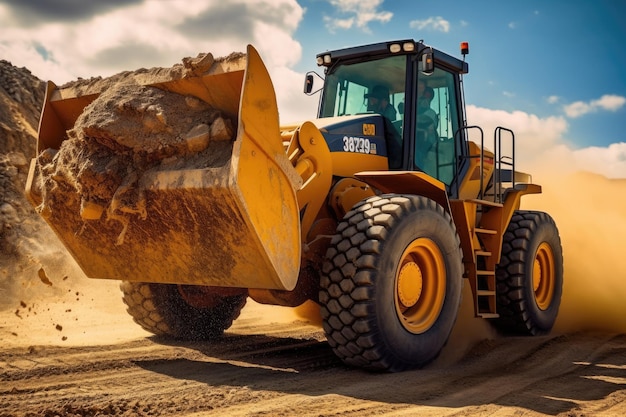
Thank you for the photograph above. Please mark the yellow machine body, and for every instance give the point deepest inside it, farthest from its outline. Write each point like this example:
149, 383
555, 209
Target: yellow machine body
258, 219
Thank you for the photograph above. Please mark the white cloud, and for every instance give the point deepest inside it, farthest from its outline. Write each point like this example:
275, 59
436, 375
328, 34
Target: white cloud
512, 25
150, 33
432, 23
577, 109
333, 23
553, 99
277, 47
293, 104
608, 102
541, 144
156, 33
530, 130
359, 13
609, 161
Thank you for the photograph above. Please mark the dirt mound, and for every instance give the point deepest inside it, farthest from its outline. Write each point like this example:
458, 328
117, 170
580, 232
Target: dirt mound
129, 130
25, 240
21, 95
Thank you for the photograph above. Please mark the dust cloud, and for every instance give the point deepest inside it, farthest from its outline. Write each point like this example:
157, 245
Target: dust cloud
53, 302
590, 212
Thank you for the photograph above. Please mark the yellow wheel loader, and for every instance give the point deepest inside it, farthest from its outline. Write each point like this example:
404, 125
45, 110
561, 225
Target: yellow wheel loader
377, 210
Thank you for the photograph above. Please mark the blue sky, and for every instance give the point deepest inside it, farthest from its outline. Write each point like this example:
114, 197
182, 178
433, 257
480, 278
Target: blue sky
555, 71
533, 56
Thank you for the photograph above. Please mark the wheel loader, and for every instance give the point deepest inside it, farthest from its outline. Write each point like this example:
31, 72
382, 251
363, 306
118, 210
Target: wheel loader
377, 216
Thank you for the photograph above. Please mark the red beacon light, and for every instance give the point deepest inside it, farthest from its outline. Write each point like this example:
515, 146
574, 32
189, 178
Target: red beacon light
464, 48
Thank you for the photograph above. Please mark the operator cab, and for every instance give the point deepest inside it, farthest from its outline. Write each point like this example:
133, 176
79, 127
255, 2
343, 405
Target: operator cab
423, 88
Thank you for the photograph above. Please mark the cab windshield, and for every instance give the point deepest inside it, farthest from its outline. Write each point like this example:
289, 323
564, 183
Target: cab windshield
360, 88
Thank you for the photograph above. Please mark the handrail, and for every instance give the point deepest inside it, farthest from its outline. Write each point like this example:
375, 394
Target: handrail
500, 160
468, 156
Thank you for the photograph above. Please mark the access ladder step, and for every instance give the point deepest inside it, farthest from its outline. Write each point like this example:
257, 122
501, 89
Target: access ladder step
485, 231
482, 253
488, 203
483, 272
486, 304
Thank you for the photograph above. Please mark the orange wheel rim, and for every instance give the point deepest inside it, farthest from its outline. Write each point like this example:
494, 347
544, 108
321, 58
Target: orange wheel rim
420, 285
544, 276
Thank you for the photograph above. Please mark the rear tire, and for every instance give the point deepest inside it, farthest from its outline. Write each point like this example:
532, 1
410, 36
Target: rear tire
529, 277
161, 309
391, 285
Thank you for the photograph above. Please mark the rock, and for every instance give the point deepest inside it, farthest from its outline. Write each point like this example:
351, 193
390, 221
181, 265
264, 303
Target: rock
192, 102
8, 214
221, 129
43, 277
90, 210
17, 159
199, 64
197, 138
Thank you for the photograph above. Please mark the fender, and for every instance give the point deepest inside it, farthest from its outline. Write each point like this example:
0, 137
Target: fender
407, 182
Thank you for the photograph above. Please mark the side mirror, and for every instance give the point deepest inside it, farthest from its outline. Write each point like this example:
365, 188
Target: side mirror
308, 83
428, 63
310, 80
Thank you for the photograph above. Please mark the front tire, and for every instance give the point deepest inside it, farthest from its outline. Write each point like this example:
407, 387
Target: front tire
529, 277
391, 285
161, 309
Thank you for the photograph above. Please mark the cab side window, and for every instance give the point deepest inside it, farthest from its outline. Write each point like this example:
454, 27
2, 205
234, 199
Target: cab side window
437, 120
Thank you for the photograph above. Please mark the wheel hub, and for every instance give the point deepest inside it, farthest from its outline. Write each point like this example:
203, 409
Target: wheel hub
410, 284
544, 276
420, 285
536, 275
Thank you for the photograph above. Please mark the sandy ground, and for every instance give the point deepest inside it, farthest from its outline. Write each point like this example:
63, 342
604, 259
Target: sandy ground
75, 352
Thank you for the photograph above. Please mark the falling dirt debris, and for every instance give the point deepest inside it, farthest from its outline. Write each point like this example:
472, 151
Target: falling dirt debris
43, 277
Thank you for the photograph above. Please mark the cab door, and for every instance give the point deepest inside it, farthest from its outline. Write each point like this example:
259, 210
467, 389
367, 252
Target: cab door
437, 114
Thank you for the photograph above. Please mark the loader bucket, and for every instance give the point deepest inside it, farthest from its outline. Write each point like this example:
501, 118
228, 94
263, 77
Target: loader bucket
232, 223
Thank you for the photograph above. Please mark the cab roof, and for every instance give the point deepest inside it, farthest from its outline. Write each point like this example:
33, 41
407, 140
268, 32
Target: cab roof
390, 48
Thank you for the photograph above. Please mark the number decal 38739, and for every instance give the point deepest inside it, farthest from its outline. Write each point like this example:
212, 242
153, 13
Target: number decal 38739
356, 144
